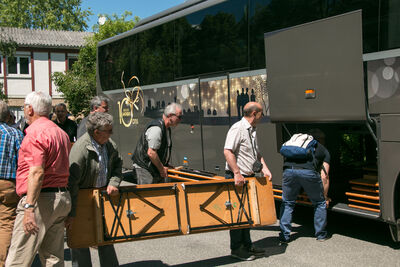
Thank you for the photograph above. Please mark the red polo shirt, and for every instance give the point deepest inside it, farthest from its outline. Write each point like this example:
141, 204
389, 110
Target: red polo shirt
46, 145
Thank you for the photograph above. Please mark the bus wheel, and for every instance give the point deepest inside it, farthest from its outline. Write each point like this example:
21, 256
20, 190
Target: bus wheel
395, 231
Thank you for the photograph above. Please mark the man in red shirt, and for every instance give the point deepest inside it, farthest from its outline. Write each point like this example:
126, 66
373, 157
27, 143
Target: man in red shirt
42, 178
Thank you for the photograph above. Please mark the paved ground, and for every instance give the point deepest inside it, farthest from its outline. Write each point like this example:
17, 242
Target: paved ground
354, 242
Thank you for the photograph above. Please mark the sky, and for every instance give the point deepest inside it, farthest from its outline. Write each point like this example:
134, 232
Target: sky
140, 8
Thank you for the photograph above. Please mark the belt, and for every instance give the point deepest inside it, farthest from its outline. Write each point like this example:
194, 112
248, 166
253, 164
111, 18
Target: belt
52, 189
294, 168
246, 176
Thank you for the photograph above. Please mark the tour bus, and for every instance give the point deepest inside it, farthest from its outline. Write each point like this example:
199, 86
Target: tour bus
327, 64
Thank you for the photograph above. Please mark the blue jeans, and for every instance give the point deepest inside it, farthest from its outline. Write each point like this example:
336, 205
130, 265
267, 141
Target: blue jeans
239, 237
293, 181
107, 256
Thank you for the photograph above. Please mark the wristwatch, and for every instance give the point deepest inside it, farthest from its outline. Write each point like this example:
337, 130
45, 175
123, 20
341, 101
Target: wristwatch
27, 206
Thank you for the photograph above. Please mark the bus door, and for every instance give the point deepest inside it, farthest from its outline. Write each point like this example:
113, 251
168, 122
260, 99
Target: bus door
315, 79
215, 120
315, 71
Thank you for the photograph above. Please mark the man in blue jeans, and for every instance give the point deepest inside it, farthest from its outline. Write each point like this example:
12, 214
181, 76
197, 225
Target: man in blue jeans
312, 175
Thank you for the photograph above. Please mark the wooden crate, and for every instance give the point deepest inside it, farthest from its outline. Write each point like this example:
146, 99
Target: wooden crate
170, 209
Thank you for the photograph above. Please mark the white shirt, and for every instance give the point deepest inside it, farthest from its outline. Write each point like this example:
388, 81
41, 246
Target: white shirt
238, 140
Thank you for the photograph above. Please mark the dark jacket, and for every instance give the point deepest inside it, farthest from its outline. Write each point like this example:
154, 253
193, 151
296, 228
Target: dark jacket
84, 167
140, 156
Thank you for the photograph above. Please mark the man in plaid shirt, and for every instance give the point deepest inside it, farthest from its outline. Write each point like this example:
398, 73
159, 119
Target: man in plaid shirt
10, 141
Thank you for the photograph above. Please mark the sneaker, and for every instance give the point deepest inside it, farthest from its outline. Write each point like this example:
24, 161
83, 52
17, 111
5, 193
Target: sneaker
256, 251
283, 240
242, 254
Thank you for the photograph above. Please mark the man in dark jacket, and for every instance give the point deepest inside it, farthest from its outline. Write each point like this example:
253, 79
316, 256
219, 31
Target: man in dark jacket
64, 123
153, 150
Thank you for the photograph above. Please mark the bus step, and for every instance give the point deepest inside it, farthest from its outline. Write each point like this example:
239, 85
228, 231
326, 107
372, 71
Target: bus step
364, 208
365, 182
302, 198
297, 201
363, 196
362, 189
363, 202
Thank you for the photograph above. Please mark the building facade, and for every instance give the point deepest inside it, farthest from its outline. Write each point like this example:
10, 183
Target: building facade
39, 54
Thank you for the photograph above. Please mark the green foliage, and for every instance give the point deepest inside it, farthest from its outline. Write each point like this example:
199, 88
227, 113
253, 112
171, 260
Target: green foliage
352, 150
7, 46
44, 14
79, 84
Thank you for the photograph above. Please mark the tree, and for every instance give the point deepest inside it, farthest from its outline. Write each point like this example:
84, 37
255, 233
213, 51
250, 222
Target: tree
78, 84
3, 96
44, 14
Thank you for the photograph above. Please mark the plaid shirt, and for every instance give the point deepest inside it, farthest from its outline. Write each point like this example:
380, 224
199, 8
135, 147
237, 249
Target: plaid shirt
10, 142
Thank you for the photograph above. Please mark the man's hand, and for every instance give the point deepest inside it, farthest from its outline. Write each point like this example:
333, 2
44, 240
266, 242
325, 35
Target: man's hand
267, 173
112, 190
68, 222
327, 201
30, 226
164, 172
239, 179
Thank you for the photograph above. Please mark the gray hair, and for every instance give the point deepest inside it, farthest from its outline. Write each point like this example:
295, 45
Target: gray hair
249, 108
171, 108
96, 102
40, 102
97, 121
4, 111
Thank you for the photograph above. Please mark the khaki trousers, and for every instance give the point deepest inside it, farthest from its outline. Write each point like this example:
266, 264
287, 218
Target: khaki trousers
50, 213
8, 205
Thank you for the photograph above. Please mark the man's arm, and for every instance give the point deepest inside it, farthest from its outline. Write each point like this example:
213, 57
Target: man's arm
152, 153
265, 169
231, 160
325, 181
35, 179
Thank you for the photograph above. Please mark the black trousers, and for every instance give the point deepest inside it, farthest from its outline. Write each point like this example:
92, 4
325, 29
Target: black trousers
239, 237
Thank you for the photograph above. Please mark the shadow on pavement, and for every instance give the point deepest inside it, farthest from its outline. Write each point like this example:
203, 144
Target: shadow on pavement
342, 224
155, 263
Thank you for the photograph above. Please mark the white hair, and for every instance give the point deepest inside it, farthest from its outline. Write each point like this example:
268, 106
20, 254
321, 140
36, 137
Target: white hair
172, 108
40, 102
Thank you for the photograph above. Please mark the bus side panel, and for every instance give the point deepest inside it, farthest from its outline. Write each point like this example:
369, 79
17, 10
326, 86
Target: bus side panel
389, 171
389, 155
383, 85
186, 142
127, 129
269, 141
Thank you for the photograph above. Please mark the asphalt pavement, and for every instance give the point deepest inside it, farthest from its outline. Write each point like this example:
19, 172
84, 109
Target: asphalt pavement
355, 242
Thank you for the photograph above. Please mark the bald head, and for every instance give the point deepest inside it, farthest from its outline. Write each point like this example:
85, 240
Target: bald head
250, 107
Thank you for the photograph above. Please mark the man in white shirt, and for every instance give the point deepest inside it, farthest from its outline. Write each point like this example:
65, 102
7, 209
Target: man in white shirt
242, 157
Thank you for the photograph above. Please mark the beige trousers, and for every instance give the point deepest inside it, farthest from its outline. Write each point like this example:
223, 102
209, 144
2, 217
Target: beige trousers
8, 205
50, 213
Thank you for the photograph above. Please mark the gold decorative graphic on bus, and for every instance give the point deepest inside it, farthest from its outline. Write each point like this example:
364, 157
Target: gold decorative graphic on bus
133, 103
